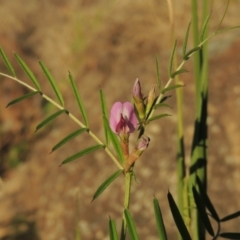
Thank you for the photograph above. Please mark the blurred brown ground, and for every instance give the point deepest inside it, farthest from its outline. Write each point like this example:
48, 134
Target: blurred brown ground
107, 44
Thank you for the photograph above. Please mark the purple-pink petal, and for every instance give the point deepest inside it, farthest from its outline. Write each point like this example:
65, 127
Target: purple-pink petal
115, 115
126, 110
130, 116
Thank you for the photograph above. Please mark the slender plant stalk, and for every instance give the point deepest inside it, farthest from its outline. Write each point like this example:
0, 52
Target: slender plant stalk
127, 194
199, 145
182, 192
107, 150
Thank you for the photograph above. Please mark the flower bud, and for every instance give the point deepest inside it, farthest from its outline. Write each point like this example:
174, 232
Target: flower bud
138, 99
150, 99
141, 146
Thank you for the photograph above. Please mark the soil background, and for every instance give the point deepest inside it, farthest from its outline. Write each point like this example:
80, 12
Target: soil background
107, 44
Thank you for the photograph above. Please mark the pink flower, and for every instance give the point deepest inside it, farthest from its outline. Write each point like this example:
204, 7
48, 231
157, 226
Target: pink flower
122, 118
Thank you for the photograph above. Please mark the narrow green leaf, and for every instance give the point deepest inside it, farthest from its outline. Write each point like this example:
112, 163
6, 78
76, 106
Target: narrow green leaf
28, 72
186, 57
231, 216
157, 117
186, 40
79, 100
49, 119
170, 66
82, 153
158, 74
112, 230
114, 140
202, 212
178, 72
171, 88
165, 98
161, 105
224, 14
7, 62
22, 98
104, 114
52, 82
159, 220
207, 200
230, 235
68, 138
106, 183
178, 218
131, 225
204, 27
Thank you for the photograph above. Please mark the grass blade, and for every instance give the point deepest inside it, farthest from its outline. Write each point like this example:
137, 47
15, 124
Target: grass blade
186, 40
68, 138
190, 52
114, 141
22, 98
178, 72
7, 62
204, 27
112, 230
178, 218
131, 225
49, 119
231, 216
202, 212
106, 183
104, 114
170, 66
52, 82
158, 74
82, 153
161, 105
207, 200
159, 220
224, 14
28, 72
171, 88
157, 117
230, 235
79, 100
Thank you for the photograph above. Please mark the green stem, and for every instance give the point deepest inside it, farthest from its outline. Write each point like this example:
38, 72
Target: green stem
128, 181
107, 150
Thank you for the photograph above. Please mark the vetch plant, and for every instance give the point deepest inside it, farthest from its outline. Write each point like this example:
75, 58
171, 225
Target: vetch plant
123, 120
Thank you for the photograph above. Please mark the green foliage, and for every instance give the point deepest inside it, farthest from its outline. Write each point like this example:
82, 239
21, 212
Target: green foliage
114, 140
184, 48
158, 74
79, 100
204, 207
28, 71
82, 153
159, 221
164, 90
49, 119
112, 230
52, 82
69, 137
17, 100
131, 226
104, 116
170, 65
178, 218
202, 212
231, 216
7, 62
106, 183
157, 117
